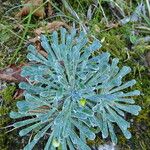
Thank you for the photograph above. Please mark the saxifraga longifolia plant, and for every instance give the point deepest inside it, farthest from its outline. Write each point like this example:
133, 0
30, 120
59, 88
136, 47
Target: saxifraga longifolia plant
72, 95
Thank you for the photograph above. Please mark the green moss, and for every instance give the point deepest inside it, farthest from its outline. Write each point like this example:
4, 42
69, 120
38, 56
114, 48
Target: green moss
7, 93
98, 141
8, 104
114, 40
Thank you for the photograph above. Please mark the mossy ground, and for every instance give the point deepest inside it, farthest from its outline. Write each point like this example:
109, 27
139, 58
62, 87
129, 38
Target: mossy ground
7, 105
116, 40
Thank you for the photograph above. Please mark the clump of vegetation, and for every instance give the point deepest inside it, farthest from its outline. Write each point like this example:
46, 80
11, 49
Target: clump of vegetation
72, 96
7, 105
6, 95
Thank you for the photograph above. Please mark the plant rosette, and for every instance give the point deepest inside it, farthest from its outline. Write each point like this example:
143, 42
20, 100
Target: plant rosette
72, 94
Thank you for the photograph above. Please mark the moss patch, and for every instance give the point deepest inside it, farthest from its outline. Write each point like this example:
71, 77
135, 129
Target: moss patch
8, 104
